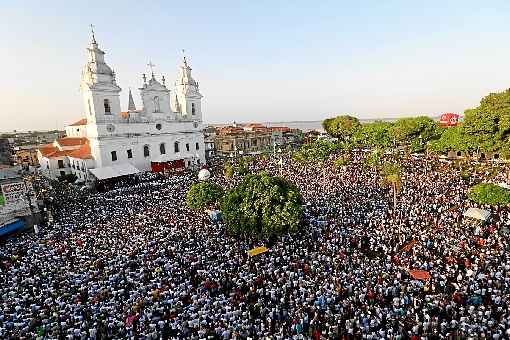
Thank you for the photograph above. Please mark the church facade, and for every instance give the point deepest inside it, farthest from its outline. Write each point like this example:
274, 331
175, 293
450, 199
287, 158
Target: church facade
166, 133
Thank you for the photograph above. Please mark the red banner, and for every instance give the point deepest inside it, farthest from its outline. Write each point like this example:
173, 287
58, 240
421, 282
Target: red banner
173, 166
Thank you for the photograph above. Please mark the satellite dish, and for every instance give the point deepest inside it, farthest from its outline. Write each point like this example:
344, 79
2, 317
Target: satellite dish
204, 175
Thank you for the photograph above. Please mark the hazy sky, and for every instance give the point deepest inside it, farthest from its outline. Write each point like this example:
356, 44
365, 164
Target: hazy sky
259, 60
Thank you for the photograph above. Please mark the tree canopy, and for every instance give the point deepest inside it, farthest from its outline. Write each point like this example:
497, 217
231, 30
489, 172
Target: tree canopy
489, 123
488, 193
341, 127
201, 195
454, 139
376, 134
418, 129
262, 206
317, 151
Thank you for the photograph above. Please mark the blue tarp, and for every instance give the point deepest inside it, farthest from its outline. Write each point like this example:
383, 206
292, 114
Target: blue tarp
12, 227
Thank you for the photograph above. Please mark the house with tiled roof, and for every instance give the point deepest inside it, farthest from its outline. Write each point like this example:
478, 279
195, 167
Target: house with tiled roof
165, 133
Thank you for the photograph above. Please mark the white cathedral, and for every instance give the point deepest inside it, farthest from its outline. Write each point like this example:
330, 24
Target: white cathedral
166, 134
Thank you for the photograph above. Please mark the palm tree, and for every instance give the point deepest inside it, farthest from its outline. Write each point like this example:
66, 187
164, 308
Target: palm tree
392, 176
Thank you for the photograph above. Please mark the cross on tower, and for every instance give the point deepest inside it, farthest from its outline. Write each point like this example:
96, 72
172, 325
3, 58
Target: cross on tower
183, 55
151, 66
93, 33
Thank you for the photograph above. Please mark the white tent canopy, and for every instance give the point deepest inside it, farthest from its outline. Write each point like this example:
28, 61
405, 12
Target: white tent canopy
478, 214
113, 171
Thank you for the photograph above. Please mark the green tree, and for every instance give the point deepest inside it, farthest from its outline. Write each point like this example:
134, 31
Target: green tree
488, 193
341, 127
201, 195
228, 170
317, 151
489, 123
374, 159
341, 162
419, 129
454, 139
392, 176
376, 134
243, 165
262, 206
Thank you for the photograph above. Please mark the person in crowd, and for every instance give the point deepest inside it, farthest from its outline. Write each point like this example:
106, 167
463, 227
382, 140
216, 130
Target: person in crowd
134, 262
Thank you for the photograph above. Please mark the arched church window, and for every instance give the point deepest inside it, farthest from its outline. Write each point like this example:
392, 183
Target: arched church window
146, 151
162, 149
192, 108
176, 146
107, 108
156, 104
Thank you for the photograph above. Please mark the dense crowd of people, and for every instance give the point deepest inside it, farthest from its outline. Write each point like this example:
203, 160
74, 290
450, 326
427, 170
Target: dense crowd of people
135, 262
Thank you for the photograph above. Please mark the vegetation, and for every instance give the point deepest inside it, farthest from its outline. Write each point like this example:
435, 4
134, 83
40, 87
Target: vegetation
374, 159
318, 151
228, 170
341, 162
392, 177
342, 127
486, 128
262, 206
487, 193
243, 165
202, 195
376, 134
421, 129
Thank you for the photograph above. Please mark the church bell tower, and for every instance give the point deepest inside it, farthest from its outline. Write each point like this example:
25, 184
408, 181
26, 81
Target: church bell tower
187, 98
99, 88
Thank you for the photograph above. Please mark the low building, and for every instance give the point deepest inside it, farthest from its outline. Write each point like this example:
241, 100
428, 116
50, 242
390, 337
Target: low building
18, 204
26, 155
209, 141
236, 140
283, 136
311, 136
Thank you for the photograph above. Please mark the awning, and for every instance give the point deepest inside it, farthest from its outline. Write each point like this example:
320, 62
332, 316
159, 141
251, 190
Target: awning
504, 185
257, 251
477, 213
113, 171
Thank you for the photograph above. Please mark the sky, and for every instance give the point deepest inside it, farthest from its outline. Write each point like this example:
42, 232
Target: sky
259, 60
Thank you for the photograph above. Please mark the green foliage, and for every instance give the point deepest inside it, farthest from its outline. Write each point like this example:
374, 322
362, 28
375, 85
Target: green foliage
341, 162
375, 134
228, 170
341, 127
407, 130
202, 195
487, 193
466, 175
243, 165
453, 139
489, 124
242, 169
374, 159
262, 206
318, 151
392, 173
69, 178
